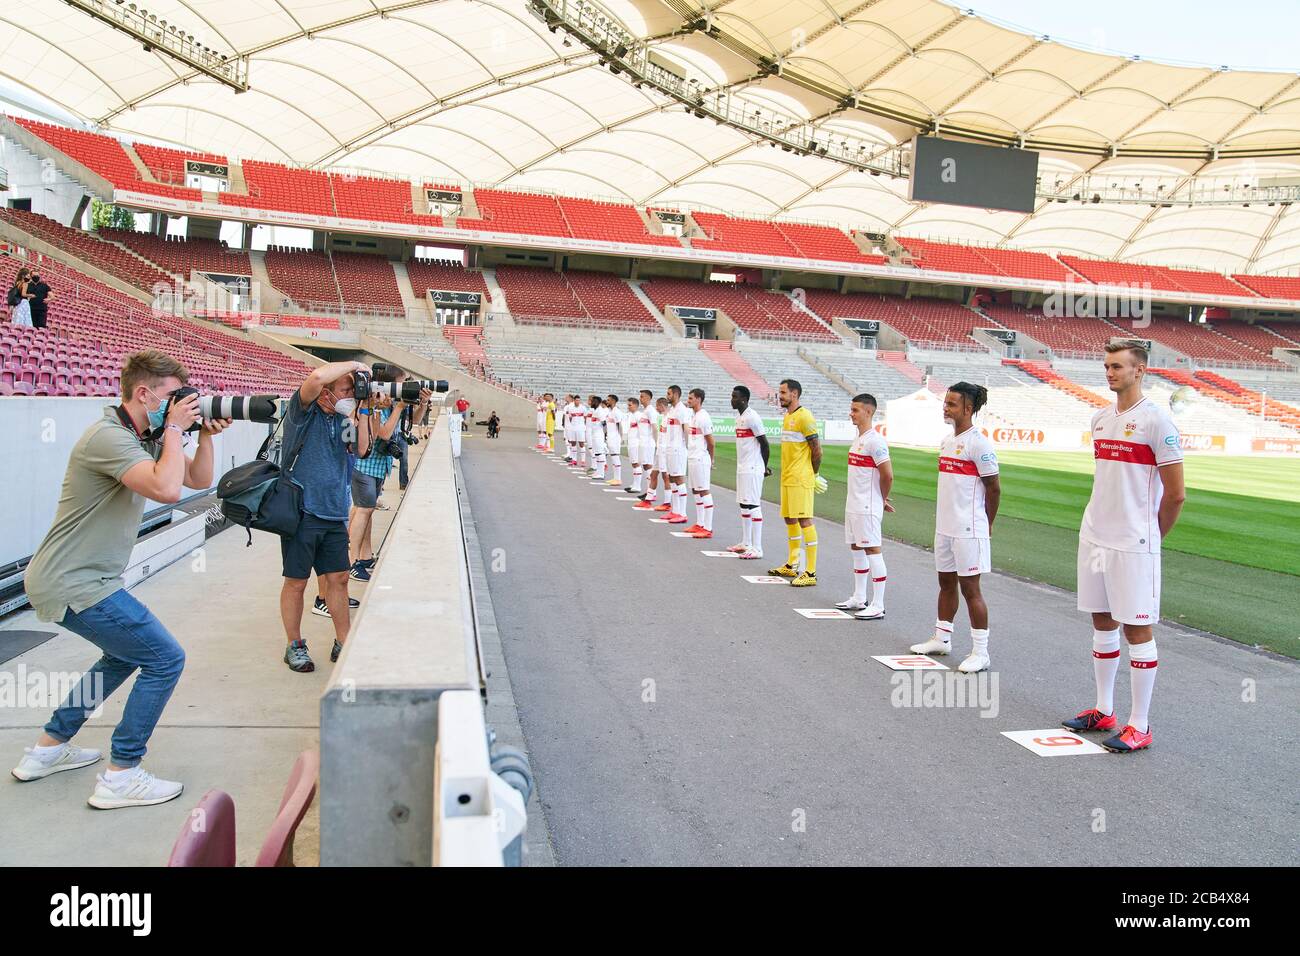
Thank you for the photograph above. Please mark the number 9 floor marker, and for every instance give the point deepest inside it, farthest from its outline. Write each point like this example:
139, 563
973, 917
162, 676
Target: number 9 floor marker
1053, 742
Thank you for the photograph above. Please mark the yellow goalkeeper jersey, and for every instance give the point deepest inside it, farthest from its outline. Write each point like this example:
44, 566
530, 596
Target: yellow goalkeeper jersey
796, 456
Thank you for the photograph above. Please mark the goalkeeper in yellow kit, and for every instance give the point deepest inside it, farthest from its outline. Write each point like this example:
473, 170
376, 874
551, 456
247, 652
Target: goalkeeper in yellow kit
801, 457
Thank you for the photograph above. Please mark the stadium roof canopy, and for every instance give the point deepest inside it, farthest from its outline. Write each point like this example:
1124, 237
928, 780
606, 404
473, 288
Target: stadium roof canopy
480, 91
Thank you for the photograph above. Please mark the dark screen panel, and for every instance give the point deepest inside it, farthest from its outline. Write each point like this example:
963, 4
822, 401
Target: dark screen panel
968, 174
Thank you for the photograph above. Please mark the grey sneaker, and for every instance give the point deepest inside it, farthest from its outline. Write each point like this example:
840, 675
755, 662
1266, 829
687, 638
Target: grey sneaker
334, 654
296, 656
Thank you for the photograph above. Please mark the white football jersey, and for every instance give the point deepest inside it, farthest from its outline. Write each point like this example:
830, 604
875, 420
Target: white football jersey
1129, 448
647, 426
661, 429
615, 424
749, 457
963, 460
701, 425
866, 454
677, 416
632, 422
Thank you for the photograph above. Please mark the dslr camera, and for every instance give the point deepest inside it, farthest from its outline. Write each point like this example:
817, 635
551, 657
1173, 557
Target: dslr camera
250, 408
379, 382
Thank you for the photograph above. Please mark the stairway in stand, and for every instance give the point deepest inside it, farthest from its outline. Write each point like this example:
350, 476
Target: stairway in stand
726, 357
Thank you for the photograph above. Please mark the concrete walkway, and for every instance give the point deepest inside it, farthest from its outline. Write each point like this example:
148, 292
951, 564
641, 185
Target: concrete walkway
237, 720
676, 715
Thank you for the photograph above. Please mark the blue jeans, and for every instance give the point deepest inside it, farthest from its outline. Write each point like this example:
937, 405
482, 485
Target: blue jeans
130, 637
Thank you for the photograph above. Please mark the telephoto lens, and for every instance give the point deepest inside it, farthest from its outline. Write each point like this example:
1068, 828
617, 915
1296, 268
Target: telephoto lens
250, 408
408, 391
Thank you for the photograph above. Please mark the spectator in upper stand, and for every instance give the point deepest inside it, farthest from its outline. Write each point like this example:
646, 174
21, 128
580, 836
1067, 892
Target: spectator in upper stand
19, 299
40, 295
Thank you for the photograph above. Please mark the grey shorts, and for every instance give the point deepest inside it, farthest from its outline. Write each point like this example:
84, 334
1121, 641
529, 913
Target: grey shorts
365, 490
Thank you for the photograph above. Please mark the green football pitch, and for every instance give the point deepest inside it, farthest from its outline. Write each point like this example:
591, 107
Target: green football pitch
1231, 566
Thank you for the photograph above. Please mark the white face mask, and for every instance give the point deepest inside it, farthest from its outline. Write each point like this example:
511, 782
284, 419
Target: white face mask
345, 406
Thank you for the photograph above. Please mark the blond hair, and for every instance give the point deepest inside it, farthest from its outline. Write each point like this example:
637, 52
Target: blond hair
1129, 345
149, 367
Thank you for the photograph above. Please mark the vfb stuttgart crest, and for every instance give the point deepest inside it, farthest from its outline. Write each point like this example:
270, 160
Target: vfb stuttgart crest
1129, 428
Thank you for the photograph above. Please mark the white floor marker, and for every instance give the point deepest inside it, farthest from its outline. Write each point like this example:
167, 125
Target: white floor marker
823, 614
683, 534
1054, 742
909, 662
764, 579
718, 554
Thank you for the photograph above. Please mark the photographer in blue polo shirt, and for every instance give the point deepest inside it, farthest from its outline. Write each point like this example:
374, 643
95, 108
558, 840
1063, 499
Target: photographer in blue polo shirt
322, 416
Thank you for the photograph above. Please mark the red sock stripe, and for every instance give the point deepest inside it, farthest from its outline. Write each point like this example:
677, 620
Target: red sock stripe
1105, 655
1141, 664
877, 580
856, 571
755, 519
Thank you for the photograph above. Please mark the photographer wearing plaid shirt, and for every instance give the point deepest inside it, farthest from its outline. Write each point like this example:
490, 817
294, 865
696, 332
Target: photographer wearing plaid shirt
377, 422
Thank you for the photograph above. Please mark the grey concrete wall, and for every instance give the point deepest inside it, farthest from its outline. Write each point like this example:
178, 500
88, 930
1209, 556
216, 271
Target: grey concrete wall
39, 435
412, 639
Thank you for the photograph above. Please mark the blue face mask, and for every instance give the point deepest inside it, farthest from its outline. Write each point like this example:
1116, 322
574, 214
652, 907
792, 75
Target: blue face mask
158, 418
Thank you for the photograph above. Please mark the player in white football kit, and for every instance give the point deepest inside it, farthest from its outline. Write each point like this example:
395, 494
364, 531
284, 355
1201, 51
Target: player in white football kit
578, 422
870, 478
615, 429
541, 424
1137, 495
657, 498
646, 432
699, 463
752, 454
675, 456
633, 421
969, 492
596, 415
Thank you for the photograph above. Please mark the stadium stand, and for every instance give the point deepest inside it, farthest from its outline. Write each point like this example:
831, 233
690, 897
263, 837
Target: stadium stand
609, 222
775, 361
1249, 399
435, 274
523, 213
105, 156
168, 165
867, 371
1063, 334
272, 186
1202, 343
610, 302
1257, 337
183, 256
757, 312
978, 260
537, 293
741, 235
1275, 287
369, 197
93, 327
1045, 373
303, 275
110, 257
366, 281
826, 243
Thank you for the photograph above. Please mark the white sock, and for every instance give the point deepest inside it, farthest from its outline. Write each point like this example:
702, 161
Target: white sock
943, 631
979, 641
756, 528
636, 478
699, 508
664, 494
708, 511
1105, 665
683, 499
877, 564
113, 776
1142, 678
618, 468
746, 528
861, 570
39, 751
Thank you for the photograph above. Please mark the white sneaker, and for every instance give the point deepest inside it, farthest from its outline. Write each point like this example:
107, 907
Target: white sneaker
750, 555
870, 613
67, 757
851, 604
974, 663
932, 646
137, 789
